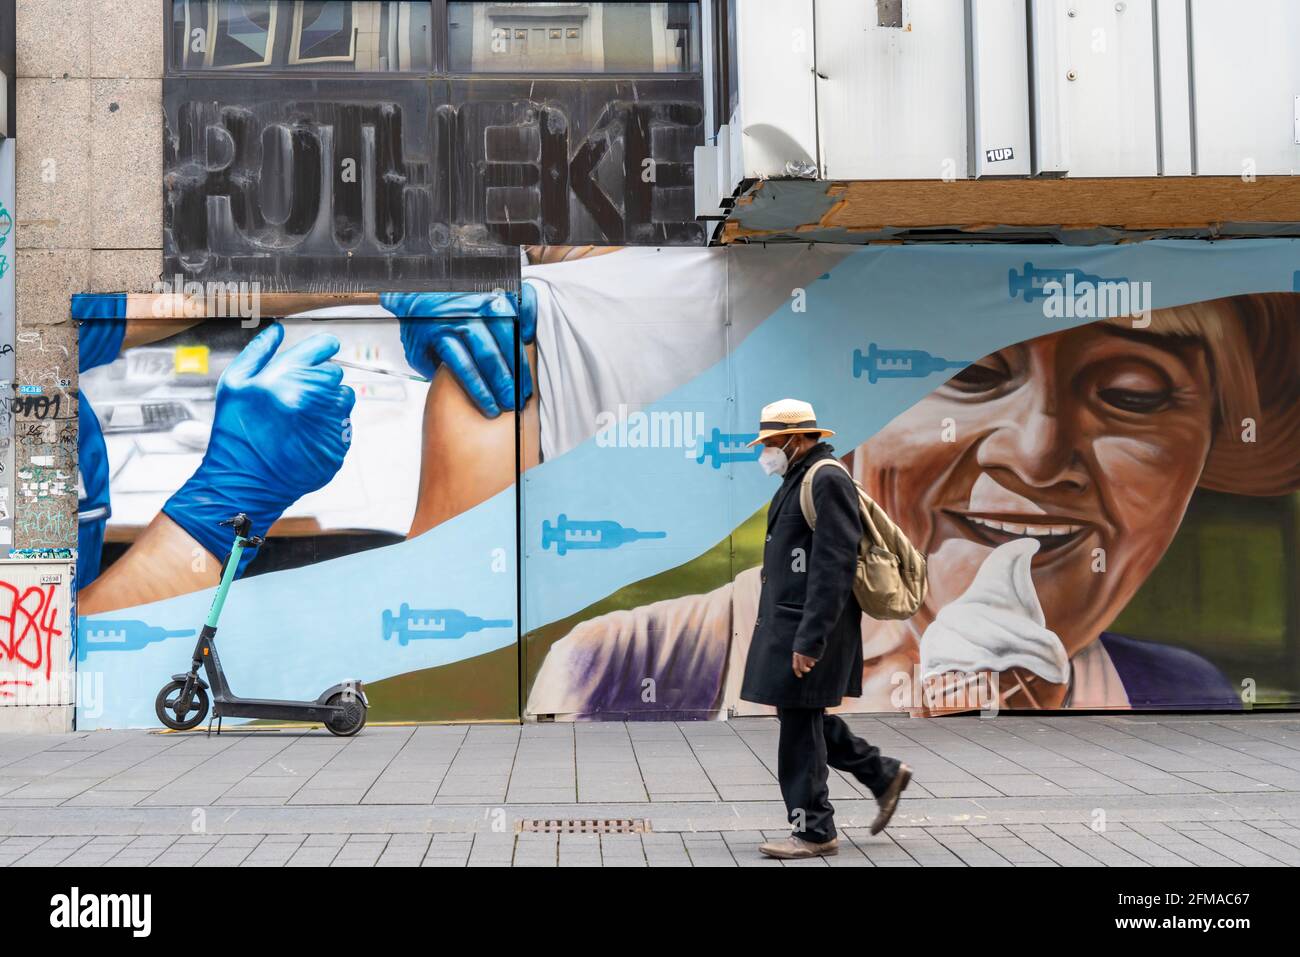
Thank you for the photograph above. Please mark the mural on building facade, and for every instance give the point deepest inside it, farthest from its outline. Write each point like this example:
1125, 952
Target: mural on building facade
1046, 482
316, 428
1106, 487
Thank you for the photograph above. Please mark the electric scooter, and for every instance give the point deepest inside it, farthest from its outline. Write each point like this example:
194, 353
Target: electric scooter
182, 704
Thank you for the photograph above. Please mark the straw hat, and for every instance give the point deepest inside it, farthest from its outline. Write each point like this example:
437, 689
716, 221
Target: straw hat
787, 417
1264, 389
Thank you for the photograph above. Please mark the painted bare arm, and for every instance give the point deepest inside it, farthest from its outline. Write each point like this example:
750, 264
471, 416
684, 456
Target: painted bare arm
182, 310
164, 562
141, 332
539, 255
467, 458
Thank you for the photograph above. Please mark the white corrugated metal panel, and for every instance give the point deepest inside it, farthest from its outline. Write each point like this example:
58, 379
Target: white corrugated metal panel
1110, 88
1174, 92
1000, 79
707, 198
723, 184
1246, 64
892, 101
732, 142
36, 648
778, 108
1048, 73
922, 89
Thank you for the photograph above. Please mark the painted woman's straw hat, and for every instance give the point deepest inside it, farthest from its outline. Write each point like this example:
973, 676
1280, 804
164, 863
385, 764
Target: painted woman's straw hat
1266, 389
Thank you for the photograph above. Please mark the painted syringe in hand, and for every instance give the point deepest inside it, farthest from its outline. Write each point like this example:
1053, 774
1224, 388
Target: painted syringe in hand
381, 370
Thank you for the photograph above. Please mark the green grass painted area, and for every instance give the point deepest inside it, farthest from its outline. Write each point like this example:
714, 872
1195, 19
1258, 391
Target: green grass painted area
1227, 589
482, 688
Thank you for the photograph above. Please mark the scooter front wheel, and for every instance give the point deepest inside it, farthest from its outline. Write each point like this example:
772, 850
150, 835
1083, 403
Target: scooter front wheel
350, 720
167, 706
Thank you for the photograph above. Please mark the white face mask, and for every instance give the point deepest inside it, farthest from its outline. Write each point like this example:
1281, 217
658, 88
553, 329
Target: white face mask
774, 461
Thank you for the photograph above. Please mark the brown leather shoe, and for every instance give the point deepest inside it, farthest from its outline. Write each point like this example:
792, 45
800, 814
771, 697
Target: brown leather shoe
889, 800
796, 848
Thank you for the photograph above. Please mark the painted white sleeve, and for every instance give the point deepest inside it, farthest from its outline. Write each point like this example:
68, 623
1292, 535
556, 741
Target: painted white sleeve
619, 331
622, 330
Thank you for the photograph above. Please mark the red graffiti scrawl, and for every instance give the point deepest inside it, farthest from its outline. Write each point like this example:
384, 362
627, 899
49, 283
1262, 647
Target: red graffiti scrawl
27, 629
4, 687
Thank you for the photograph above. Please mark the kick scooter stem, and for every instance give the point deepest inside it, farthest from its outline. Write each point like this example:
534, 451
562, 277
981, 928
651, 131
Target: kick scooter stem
227, 579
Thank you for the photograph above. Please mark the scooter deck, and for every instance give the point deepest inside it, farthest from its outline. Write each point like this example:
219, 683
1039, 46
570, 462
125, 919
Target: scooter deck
268, 708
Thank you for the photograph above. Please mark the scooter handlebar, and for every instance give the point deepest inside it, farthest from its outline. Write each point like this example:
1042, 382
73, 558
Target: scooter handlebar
240, 523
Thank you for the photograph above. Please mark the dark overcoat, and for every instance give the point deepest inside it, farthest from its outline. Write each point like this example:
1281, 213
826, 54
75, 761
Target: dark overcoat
807, 604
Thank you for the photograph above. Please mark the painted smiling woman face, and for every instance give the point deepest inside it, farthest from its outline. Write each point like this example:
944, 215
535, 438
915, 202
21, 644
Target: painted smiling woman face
1089, 439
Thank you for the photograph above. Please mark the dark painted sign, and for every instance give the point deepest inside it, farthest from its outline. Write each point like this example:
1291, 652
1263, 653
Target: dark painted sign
406, 183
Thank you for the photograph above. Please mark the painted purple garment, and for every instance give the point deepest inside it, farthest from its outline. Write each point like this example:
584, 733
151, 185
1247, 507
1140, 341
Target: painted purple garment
688, 686
603, 671
1163, 677
660, 662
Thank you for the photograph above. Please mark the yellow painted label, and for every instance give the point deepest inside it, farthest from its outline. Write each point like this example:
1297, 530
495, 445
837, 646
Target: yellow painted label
192, 360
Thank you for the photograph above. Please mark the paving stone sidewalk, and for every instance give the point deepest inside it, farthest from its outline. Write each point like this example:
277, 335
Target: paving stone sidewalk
1011, 791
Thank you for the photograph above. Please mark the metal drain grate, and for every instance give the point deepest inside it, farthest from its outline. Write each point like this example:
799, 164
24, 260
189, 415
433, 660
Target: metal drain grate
585, 826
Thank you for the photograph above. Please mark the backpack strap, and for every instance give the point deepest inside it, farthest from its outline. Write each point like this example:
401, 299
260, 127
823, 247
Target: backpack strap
865, 505
805, 490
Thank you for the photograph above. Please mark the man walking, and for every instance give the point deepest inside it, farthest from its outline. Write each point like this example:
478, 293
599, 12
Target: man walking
806, 653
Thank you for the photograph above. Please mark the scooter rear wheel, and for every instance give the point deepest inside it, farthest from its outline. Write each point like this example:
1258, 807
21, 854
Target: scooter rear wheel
351, 720
166, 706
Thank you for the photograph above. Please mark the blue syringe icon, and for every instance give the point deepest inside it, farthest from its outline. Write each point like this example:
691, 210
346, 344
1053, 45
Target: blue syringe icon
125, 635
1032, 281
566, 534
729, 447
442, 623
900, 363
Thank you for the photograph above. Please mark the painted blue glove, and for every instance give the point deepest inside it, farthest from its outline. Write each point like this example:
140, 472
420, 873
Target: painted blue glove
92, 493
280, 430
478, 348
101, 327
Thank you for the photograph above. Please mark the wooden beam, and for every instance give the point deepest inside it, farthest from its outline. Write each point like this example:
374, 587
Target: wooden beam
1131, 203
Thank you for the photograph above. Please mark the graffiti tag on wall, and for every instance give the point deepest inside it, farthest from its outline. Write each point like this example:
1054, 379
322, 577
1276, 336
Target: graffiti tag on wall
8, 333
45, 483
29, 619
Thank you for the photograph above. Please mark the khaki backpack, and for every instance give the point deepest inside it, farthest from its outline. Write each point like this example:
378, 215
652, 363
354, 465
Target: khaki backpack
890, 582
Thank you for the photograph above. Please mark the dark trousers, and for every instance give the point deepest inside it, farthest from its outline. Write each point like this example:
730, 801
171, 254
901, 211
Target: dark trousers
811, 742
